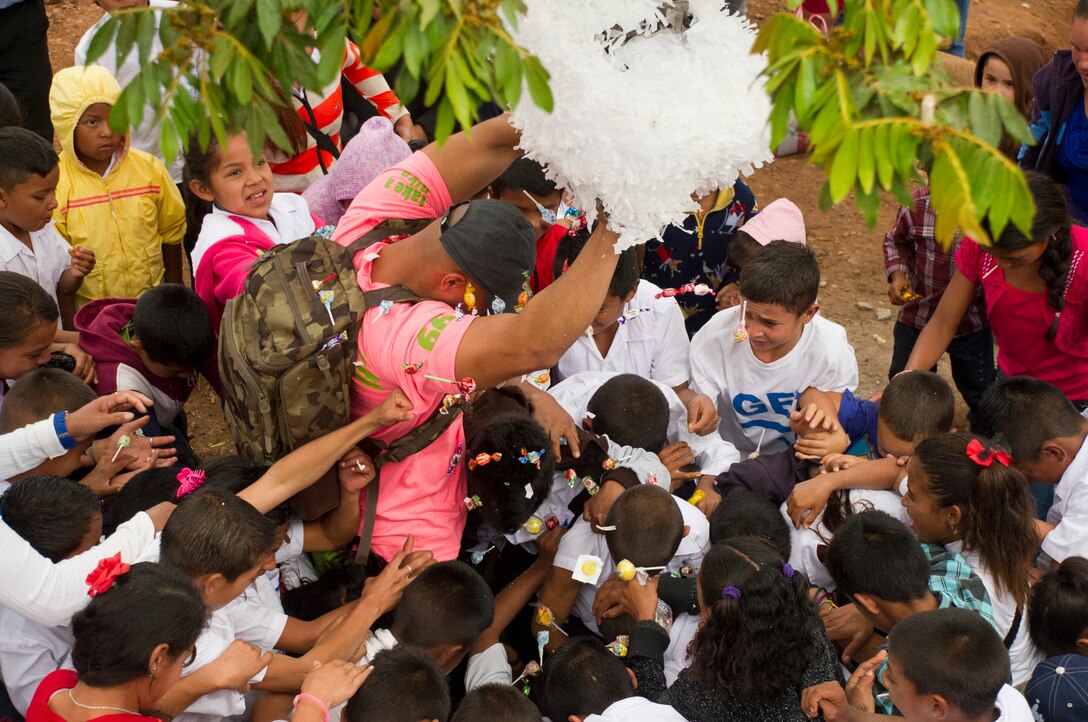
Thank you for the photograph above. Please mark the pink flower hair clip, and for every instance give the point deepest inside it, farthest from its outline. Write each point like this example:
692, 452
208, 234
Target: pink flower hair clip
190, 480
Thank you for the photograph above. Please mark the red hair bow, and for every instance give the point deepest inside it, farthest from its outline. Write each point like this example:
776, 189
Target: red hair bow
987, 455
104, 575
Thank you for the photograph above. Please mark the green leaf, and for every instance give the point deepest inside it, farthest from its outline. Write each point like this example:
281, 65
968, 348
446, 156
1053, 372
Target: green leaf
220, 58
102, 40
985, 122
168, 140
867, 161
145, 33
844, 169
536, 77
868, 203
269, 19
885, 169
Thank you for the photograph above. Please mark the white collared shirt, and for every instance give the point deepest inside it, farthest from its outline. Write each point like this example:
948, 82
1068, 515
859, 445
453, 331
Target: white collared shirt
653, 343
290, 221
45, 264
1069, 513
637, 709
28, 652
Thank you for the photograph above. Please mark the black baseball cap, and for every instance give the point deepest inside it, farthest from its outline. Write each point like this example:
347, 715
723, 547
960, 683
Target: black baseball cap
494, 245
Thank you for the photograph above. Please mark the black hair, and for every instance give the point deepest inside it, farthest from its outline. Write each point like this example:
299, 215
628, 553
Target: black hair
405, 685
874, 553
766, 622
745, 513
496, 703
215, 532
116, 633
173, 325
52, 513
26, 306
1052, 224
1058, 615
631, 411
582, 678
11, 113
448, 603
41, 393
509, 489
649, 526
917, 405
337, 585
524, 174
1026, 412
763, 280
935, 649
234, 473
1082, 10
614, 627
624, 279
23, 153
143, 491
742, 248
997, 509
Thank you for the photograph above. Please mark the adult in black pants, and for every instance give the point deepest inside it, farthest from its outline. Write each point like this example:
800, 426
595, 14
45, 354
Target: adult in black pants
24, 60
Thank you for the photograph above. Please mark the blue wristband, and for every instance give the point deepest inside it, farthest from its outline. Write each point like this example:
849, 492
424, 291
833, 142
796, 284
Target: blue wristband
60, 425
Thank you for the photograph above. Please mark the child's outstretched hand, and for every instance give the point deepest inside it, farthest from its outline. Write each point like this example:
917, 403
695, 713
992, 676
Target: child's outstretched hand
356, 470
859, 688
84, 369
807, 500
334, 682
83, 261
238, 664
839, 462
728, 296
675, 457
385, 589
898, 288
105, 411
827, 699
702, 416
395, 409
819, 444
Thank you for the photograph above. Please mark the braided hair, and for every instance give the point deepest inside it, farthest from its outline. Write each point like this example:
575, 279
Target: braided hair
1052, 224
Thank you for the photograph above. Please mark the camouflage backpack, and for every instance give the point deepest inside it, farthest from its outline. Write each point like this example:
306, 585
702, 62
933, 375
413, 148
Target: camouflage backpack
286, 348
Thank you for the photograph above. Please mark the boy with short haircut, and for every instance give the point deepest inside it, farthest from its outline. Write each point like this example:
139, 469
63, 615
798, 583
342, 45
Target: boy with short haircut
406, 685
154, 345
638, 330
116, 200
1058, 616
584, 681
878, 563
44, 392
646, 526
29, 243
944, 664
1049, 442
497, 703
755, 360
61, 519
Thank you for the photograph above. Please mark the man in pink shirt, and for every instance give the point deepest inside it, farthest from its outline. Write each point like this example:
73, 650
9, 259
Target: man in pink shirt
481, 251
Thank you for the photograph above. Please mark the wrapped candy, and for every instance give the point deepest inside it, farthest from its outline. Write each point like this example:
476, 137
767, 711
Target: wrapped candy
483, 460
608, 464
455, 460
651, 479
698, 496
531, 457
625, 570
532, 669
542, 638
467, 385
473, 502
618, 647
590, 485
551, 521
497, 305
534, 525
572, 478
699, 289
587, 569
412, 369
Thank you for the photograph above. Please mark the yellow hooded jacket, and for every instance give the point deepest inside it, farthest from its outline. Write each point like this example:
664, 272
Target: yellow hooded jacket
124, 217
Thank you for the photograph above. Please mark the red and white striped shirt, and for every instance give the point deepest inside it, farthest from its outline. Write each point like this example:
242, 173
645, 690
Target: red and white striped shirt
296, 174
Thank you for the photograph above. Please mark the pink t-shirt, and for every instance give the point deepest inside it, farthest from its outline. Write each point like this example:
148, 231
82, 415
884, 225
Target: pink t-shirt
1020, 319
424, 494
411, 189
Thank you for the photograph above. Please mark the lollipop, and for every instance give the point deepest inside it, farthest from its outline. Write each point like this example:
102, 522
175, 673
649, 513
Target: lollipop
122, 443
478, 556
534, 526
625, 570
587, 569
466, 385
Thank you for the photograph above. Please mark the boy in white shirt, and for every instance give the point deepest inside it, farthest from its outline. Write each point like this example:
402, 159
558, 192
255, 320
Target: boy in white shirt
584, 682
638, 330
61, 519
1049, 441
29, 244
756, 359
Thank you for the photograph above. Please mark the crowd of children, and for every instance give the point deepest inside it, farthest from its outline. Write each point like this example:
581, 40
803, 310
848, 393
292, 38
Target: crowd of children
575, 484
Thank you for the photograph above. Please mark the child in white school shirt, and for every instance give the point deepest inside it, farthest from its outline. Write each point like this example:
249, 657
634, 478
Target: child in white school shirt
1049, 442
756, 359
638, 330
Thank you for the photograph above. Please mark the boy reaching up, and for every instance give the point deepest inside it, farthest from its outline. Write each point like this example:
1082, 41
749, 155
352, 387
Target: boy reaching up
756, 359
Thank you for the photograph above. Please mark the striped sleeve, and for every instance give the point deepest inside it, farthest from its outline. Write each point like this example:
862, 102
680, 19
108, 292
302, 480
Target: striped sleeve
371, 84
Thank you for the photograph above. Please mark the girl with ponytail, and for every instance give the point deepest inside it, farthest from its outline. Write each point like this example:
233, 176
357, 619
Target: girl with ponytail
964, 494
760, 644
1036, 292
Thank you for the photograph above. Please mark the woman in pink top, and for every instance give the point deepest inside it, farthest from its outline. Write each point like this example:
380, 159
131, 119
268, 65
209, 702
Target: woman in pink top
1035, 289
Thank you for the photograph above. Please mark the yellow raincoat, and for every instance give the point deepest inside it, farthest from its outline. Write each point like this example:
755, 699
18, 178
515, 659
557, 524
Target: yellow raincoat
125, 217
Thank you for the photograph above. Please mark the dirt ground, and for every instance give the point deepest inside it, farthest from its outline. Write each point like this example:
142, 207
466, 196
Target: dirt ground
849, 252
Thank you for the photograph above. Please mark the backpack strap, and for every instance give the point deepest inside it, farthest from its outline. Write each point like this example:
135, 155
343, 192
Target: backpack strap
1014, 629
385, 229
415, 440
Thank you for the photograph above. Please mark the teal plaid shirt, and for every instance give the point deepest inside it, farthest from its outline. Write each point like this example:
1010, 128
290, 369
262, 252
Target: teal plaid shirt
954, 584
